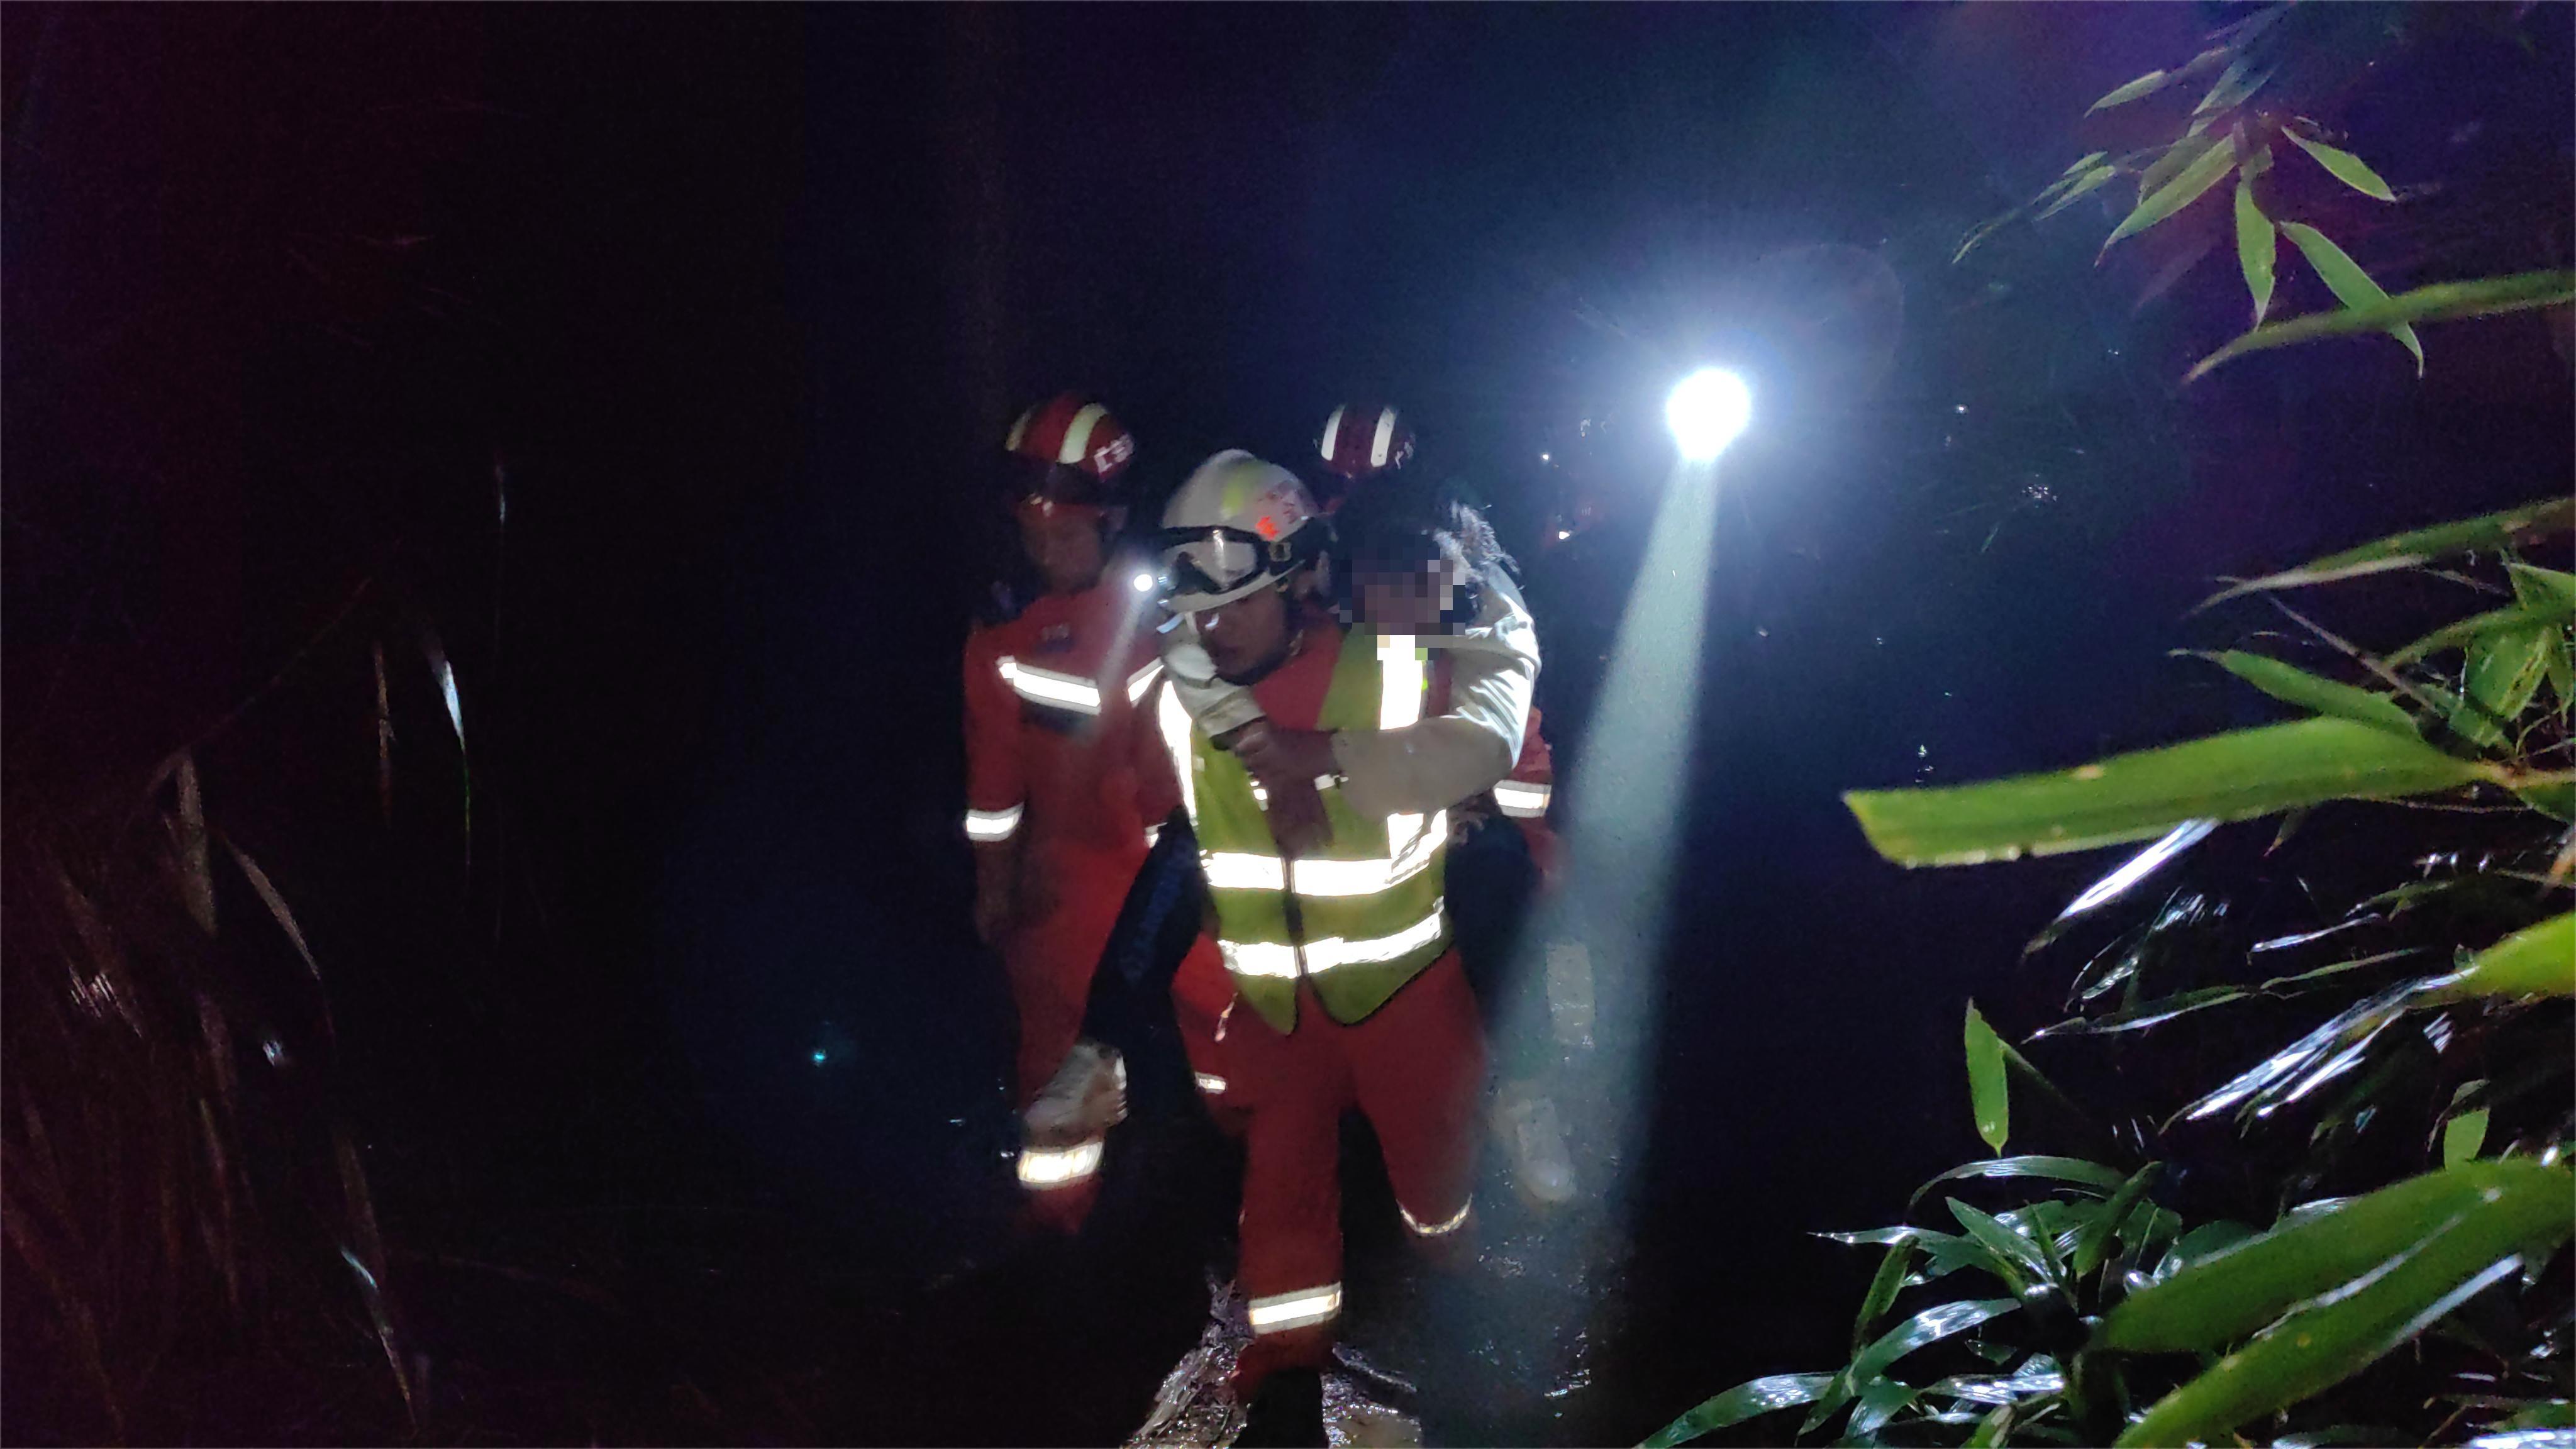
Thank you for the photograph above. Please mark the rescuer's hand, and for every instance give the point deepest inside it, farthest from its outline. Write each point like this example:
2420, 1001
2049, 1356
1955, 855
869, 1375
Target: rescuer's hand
1287, 763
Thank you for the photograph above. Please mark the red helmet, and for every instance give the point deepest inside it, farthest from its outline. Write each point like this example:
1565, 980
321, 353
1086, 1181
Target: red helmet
1081, 449
1361, 439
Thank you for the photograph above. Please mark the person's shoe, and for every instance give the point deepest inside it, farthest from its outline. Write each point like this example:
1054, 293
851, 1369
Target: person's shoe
1288, 1409
1533, 1140
1084, 1099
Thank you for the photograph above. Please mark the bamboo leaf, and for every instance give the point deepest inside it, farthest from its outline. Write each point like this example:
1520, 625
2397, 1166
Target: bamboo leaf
2237, 85
2054, 1169
2347, 168
2476, 627
1744, 1401
2257, 241
2220, 1299
2095, 1244
277, 907
196, 868
1988, 1094
2293, 685
2505, 669
2351, 285
2002, 1240
2186, 187
2537, 960
2423, 545
2156, 80
2084, 185
2473, 1244
2539, 588
2441, 302
2234, 776
1883, 1288
2463, 1135
1927, 1327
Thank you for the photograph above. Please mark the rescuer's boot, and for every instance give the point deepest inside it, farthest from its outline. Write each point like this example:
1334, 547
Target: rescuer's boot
1084, 1099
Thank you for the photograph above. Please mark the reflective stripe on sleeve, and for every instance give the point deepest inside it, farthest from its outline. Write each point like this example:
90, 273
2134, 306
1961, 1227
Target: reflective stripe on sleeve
988, 826
1521, 801
1211, 1083
1045, 686
1143, 680
1044, 1167
1283, 1311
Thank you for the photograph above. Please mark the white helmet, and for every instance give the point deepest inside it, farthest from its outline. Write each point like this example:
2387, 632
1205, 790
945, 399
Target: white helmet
1237, 525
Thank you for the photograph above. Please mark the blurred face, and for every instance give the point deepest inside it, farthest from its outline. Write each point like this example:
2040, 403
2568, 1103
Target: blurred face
1063, 541
1246, 638
1406, 599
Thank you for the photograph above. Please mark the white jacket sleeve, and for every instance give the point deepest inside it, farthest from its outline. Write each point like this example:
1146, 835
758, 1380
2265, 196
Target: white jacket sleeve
1443, 760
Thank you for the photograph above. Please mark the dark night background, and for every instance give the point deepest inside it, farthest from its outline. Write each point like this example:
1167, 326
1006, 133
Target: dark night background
730, 307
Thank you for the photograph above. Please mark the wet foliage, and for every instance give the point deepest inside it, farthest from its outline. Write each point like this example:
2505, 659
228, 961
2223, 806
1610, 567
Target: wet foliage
2317, 1182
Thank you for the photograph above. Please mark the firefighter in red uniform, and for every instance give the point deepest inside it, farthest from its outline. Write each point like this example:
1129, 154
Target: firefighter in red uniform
1349, 994
1052, 791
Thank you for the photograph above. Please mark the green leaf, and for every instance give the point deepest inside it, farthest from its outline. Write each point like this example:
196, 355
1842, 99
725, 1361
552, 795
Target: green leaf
2084, 185
1988, 1095
2505, 669
2234, 776
2480, 626
1883, 1288
2472, 1244
1744, 1401
2462, 1136
2293, 685
2235, 87
2546, 1414
1879, 1402
2156, 80
2017, 1247
2056, 1169
2351, 285
1991, 1429
2537, 588
2558, 801
2185, 188
2143, 1015
2347, 168
2423, 545
1927, 1327
2534, 961
2095, 1244
2145, 85
2441, 302
2257, 241
2218, 1300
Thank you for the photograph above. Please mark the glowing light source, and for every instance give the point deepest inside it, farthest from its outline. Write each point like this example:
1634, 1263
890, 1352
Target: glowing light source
818, 1058
1563, 534
1707, 411
1544, 458
1142, 583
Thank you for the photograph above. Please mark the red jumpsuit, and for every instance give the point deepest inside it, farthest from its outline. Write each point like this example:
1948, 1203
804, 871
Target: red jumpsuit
1415, 1068
1050, 771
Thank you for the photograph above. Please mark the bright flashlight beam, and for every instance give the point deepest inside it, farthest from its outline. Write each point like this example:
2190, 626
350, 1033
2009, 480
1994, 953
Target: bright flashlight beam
1621, 813
1708, 410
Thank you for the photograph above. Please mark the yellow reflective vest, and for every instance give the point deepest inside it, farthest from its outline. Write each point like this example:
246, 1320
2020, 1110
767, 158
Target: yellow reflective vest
1361, 917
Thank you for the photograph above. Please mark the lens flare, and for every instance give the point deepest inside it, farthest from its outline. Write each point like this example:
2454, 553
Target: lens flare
1708, 410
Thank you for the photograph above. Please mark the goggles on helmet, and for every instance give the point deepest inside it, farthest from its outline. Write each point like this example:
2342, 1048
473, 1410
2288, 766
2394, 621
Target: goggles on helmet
1206, 567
